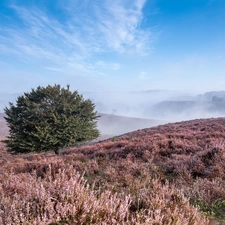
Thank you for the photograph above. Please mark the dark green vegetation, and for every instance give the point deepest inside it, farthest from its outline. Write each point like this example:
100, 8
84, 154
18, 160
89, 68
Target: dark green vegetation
49, 118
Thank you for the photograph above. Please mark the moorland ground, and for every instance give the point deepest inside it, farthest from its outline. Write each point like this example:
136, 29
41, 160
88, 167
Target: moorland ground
168, 174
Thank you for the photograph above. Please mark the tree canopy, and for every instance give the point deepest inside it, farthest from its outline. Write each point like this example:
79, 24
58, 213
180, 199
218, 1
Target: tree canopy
50, 118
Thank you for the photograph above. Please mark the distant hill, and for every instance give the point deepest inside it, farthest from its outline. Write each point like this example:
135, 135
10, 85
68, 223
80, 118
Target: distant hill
114, 124
185, 110
208, 96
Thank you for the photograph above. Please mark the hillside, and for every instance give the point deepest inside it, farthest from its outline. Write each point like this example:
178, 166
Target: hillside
166, 170
183, 110
110, 124
191, 146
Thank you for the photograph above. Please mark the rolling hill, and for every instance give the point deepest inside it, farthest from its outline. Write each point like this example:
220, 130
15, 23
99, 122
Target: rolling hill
172, 173
186, 110
110, 124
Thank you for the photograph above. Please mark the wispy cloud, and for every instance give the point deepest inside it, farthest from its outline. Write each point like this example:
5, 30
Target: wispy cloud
119, 26
74, 43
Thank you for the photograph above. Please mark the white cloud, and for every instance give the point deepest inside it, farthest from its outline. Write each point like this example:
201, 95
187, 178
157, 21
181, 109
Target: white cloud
119, 24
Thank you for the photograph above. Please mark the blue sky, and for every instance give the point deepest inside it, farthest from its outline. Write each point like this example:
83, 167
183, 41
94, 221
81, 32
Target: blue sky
119, 45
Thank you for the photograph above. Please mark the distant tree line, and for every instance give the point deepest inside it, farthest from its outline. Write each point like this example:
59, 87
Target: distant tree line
218, 99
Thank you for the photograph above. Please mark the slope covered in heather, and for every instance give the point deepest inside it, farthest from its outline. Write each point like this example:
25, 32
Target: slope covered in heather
192, 146
166, 170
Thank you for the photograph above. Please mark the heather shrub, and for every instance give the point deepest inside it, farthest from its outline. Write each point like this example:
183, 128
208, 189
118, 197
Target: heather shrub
209, 195
169, 174
49, 118
159, 203
64, 197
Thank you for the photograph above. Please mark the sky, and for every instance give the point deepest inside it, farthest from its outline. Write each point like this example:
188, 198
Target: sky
112, 45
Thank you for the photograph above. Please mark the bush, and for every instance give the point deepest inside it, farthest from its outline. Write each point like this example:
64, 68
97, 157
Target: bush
63, 197
49, 118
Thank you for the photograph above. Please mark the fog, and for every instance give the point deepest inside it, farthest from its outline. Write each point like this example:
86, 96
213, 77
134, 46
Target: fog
161, 105
125, 112
130, 104
122, 112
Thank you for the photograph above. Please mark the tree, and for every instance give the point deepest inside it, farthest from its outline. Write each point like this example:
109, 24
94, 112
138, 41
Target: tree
50, 118
217, 99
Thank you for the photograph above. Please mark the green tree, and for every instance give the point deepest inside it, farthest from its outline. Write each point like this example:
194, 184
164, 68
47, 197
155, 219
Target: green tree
50, 118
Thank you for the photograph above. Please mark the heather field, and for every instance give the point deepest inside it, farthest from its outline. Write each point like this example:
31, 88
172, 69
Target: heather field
167, 174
